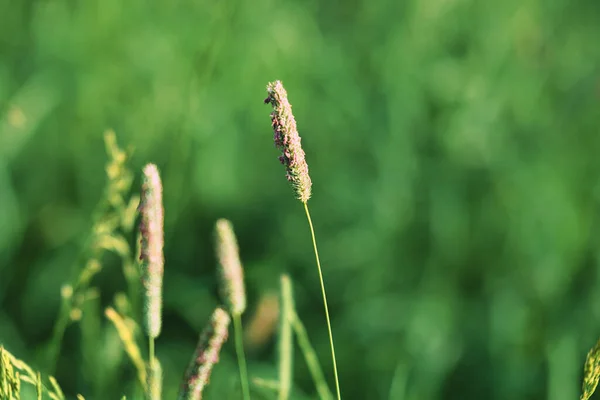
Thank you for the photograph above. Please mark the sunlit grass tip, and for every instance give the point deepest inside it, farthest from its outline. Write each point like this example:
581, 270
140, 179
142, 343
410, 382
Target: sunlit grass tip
591, 372
151, 249
288, 140
206, 355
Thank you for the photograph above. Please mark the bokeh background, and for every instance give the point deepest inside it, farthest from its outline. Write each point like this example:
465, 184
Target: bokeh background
455, 155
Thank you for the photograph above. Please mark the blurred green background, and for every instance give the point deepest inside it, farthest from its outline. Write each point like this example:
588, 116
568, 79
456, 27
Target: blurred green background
455, 155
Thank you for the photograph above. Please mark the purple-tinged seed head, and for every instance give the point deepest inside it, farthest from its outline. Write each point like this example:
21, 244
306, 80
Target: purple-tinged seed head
206, 355
287, 139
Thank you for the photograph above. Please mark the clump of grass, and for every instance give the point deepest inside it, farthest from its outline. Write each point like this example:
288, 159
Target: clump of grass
288, 140
14, 371
113, 220
197, 375
233, 290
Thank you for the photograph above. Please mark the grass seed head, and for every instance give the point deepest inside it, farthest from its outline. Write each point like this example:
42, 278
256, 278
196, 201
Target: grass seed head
205, 356
230, 267
288, 140
151, 248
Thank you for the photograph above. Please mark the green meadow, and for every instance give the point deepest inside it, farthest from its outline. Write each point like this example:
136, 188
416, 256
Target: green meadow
454, 152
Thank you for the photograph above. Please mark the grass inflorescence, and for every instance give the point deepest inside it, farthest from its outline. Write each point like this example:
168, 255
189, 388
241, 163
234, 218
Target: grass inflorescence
205, 357
233, 290
151, 249
288, 140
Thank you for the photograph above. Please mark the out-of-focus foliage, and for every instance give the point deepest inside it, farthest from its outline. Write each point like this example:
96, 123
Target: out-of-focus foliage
454, 151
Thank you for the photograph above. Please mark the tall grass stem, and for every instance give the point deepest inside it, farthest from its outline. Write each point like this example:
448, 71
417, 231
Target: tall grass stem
312, 232
154, 383
286, 348
239, 349
150, 350
310, 356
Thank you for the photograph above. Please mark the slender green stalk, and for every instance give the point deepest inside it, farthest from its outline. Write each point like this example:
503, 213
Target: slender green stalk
310, 355
270, 384
286, 349
60, 327
154, 383
312, 232
57, 390
38, 386
239, 349
150, 350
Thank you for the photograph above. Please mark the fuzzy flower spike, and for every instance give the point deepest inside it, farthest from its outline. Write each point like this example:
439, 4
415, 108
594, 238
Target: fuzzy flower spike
233, 291
230, 268
151, 255
205, 357
288, 141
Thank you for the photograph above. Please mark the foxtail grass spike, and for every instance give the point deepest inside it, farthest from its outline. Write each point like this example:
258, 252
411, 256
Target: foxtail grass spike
151, 249
230, 268
206, 355
233, 290
288, 140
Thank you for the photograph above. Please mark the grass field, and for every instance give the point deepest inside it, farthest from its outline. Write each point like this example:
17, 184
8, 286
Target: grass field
454, 152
